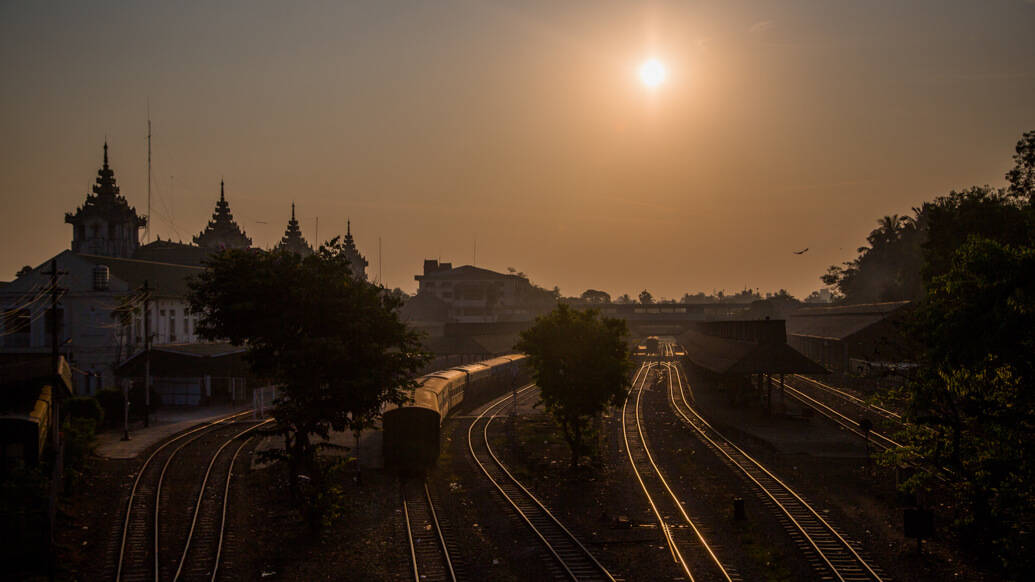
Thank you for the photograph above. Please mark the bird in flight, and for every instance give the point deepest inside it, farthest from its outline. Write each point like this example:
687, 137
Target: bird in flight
802, 252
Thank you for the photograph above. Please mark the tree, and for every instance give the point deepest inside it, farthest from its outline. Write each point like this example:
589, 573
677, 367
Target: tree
646, 298
594, 296
889, 268
979, 211
1022, 176
972, 407
581, 364
334, 343
624, 298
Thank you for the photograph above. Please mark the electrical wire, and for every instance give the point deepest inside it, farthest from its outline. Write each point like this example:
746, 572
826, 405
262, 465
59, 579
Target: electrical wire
41, 294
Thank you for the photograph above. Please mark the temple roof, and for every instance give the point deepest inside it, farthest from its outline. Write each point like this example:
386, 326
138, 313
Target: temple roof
293, 240
222, 231
356, 260
105, 201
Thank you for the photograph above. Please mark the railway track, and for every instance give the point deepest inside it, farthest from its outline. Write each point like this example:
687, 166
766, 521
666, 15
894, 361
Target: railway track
171, 501
848, 397
573, 560
832, 555
685, 540
429, 550
878, 439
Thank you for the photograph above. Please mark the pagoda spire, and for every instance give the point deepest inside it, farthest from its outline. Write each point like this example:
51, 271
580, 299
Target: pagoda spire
293, 240
222, 231
357, 262
105, 224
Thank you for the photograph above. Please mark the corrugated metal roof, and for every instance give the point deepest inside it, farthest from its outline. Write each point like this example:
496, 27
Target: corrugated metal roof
842, 321
728, 356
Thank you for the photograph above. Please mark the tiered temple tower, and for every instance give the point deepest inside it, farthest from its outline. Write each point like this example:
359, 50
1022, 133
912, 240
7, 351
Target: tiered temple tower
356, 260
293, 240
222, 232
105, 224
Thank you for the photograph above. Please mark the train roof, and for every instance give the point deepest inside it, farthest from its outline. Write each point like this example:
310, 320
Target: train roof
475, 367
451, 374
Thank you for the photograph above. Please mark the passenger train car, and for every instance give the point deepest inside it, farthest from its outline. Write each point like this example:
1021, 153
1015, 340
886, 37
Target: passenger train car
652, 344
411, 431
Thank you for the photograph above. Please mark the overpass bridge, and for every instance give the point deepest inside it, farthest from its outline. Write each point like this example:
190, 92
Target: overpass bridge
667, 318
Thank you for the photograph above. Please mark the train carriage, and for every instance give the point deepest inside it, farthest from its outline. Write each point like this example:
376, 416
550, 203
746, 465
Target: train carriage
412, 431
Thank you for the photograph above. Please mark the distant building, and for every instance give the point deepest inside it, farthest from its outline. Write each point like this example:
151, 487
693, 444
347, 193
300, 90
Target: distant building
293, 240
476, 295
821, 296
105, 224
222, 231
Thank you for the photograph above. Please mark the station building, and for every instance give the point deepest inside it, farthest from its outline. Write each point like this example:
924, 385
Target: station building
476, 295
858, 339
101, 307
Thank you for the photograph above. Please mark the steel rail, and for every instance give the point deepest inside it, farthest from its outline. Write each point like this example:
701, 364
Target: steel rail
438, 530
439, 537
201, 494
677, 553
413, 548
136, 484
550, 519
851, 425
222, 520
677, 556
746, 463
850, 397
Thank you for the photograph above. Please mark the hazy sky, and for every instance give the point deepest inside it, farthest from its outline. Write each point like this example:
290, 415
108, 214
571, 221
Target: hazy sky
783, 125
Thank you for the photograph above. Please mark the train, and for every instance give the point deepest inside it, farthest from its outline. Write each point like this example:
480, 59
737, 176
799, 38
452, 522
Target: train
412, 430
652, 344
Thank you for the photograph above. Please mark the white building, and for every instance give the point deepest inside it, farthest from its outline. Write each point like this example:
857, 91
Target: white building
100, 312
100, 309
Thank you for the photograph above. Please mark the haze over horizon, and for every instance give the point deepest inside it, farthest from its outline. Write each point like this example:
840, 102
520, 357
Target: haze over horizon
780, 126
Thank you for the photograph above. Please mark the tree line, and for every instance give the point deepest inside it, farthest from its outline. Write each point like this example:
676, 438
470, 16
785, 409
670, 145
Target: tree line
967, 260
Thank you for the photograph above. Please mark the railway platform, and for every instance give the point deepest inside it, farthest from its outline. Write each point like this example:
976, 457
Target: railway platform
164, 423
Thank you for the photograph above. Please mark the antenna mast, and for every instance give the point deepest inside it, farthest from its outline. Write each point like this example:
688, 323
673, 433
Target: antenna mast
379, 279
148, 231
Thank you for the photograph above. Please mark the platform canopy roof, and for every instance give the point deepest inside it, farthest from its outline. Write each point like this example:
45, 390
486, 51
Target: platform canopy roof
737, 357
217, 359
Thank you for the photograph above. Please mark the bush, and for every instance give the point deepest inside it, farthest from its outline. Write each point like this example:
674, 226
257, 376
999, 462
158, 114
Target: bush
85, 407
79, 440
111, 402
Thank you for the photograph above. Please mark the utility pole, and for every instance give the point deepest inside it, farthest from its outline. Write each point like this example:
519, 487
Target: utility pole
55, 417
55, 345
147, 354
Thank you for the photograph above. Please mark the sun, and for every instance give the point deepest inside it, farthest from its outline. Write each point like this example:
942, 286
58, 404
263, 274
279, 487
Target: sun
653, 73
